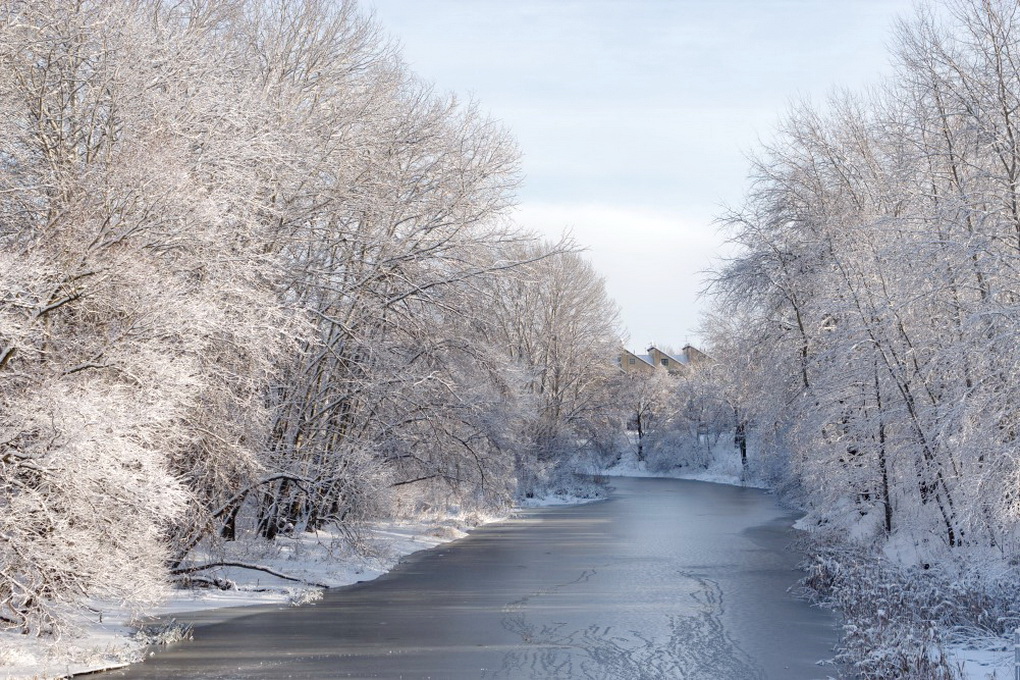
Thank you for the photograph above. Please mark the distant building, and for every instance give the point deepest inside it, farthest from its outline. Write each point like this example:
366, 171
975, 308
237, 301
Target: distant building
636, 363
655, 358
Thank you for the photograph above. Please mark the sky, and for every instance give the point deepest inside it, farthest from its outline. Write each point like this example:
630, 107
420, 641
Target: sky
635, 118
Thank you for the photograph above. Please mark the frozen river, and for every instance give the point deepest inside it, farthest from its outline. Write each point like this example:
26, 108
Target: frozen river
668, 579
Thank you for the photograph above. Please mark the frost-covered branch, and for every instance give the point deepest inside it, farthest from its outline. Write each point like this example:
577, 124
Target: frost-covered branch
184, 571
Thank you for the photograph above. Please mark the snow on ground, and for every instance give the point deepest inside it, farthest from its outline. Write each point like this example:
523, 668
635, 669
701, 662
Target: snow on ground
112, 638
985, 659
725, 468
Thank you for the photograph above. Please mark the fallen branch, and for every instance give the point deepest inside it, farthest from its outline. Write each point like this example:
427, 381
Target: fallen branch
241, 565
204, 581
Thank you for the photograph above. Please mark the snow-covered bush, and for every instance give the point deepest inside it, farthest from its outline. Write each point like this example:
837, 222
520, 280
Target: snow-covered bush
85, 506
163, 633
898, 619
678, 450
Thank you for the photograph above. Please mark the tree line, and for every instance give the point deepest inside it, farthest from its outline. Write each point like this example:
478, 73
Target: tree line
256, 276
870, 319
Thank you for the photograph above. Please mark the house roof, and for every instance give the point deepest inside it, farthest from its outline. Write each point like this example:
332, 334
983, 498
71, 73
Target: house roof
683, 358
647, 358
679, 358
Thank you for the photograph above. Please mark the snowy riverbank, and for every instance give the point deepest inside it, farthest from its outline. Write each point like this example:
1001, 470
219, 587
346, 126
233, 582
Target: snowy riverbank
975, 657
112, 639
723, 469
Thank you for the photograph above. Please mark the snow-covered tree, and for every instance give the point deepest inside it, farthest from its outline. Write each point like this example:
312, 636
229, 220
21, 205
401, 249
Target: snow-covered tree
878, 280
558, 326
136, 317
254, 277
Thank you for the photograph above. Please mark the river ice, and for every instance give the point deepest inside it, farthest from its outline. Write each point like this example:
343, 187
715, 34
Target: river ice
668, 579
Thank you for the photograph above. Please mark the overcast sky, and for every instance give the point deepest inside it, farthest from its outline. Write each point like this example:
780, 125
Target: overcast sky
635, 116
